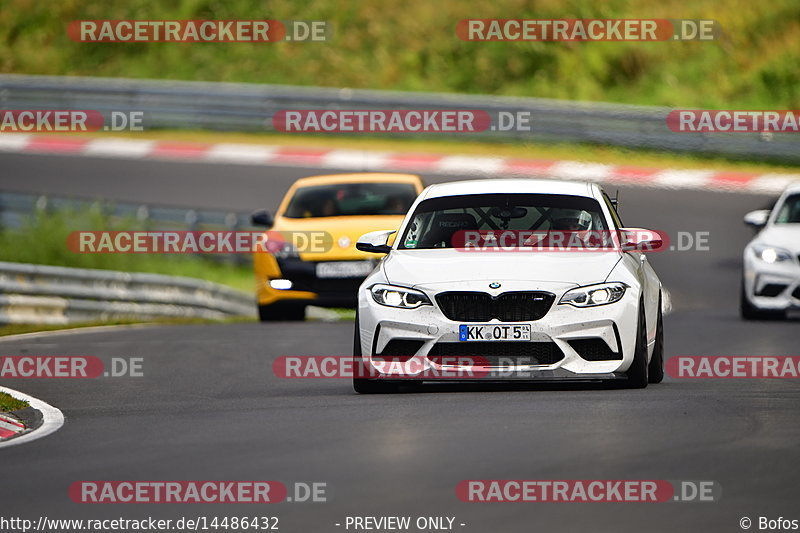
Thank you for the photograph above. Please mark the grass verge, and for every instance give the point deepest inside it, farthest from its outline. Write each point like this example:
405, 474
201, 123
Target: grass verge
19, 329
8, 403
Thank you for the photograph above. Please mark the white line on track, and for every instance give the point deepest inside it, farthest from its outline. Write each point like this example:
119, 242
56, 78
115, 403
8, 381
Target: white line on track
240, 153
77, 330
457, 164
355, 159
122, 148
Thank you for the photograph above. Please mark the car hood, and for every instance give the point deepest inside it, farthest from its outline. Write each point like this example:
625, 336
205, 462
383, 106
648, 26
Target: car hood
785, 236
433, 267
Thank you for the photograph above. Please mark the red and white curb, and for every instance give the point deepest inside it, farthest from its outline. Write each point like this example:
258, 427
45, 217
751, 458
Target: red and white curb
52, 420
369, 160
9, 427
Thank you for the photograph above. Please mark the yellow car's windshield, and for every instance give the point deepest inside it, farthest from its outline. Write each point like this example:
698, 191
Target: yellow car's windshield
351, 199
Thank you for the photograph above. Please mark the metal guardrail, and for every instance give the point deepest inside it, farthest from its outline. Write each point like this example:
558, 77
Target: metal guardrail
38, 294
250, 107
15, 208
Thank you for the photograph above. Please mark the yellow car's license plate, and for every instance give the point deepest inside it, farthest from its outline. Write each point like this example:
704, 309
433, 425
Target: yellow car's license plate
344, 269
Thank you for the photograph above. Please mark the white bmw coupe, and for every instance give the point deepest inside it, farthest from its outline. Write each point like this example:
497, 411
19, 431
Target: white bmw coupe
771, 278
452, 300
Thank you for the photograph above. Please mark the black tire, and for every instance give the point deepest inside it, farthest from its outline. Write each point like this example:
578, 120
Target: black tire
750, 312
282, 311
637, 373
746, 310
655, 371
362, 385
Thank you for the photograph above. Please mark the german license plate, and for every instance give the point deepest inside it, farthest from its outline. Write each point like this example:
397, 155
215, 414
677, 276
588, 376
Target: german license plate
494, 332
344, 269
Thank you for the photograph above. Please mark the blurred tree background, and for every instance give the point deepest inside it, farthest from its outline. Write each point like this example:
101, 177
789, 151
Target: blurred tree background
412, 45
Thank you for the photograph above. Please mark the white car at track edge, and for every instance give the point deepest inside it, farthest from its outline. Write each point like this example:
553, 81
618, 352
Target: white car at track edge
522, 314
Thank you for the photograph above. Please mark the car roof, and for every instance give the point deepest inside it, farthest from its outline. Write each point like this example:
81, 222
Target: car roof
793, 187
358, 177
510, 186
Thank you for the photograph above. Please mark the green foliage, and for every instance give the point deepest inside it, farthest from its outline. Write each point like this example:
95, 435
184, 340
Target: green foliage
412, 45
43, 240
9, 403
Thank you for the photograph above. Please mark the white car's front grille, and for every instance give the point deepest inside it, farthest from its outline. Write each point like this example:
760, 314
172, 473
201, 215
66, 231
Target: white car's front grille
519, 306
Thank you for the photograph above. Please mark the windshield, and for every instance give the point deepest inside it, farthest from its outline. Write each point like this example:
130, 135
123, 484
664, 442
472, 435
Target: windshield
351, 199
436, 221
790, 211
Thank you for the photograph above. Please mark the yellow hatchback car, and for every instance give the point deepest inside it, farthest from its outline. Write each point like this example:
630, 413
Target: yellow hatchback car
319, 221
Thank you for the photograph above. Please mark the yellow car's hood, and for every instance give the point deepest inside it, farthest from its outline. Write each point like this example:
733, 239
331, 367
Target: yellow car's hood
341, 234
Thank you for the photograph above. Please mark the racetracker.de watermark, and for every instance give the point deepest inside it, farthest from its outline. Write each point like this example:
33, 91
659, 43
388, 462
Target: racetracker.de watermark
586, 491
68, 120
733, 367
628, 240
588, 30
205, 491
198, 242
177, 492
198, 31
68, 366
733, 121
399, 121
400, 367
559, 240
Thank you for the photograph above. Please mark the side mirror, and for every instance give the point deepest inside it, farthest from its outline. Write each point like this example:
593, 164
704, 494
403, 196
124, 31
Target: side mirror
757, 219
262, 217
640, 240
375, 242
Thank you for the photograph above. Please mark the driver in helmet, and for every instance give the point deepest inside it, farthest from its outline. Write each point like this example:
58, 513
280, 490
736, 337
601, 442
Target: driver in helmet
570, 220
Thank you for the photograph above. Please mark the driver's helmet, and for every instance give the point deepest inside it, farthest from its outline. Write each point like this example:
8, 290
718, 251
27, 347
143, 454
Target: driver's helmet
570, 220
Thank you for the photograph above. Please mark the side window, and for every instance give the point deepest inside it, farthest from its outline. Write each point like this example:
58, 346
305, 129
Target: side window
416, 227
613, 211
789, 211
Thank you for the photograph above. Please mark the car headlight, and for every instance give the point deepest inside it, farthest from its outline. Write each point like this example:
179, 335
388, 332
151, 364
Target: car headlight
273, 242
594, 295
285, 251
401, 297
771, 254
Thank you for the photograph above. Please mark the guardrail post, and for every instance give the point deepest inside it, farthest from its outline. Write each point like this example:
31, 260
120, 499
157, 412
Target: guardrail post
41, 204
192, 224
143, 215
232, 224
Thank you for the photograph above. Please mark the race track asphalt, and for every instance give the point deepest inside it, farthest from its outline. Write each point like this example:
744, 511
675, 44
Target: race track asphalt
210, 407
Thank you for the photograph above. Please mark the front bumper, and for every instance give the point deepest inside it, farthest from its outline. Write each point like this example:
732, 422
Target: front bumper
772, 286
307, 286
436, 353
